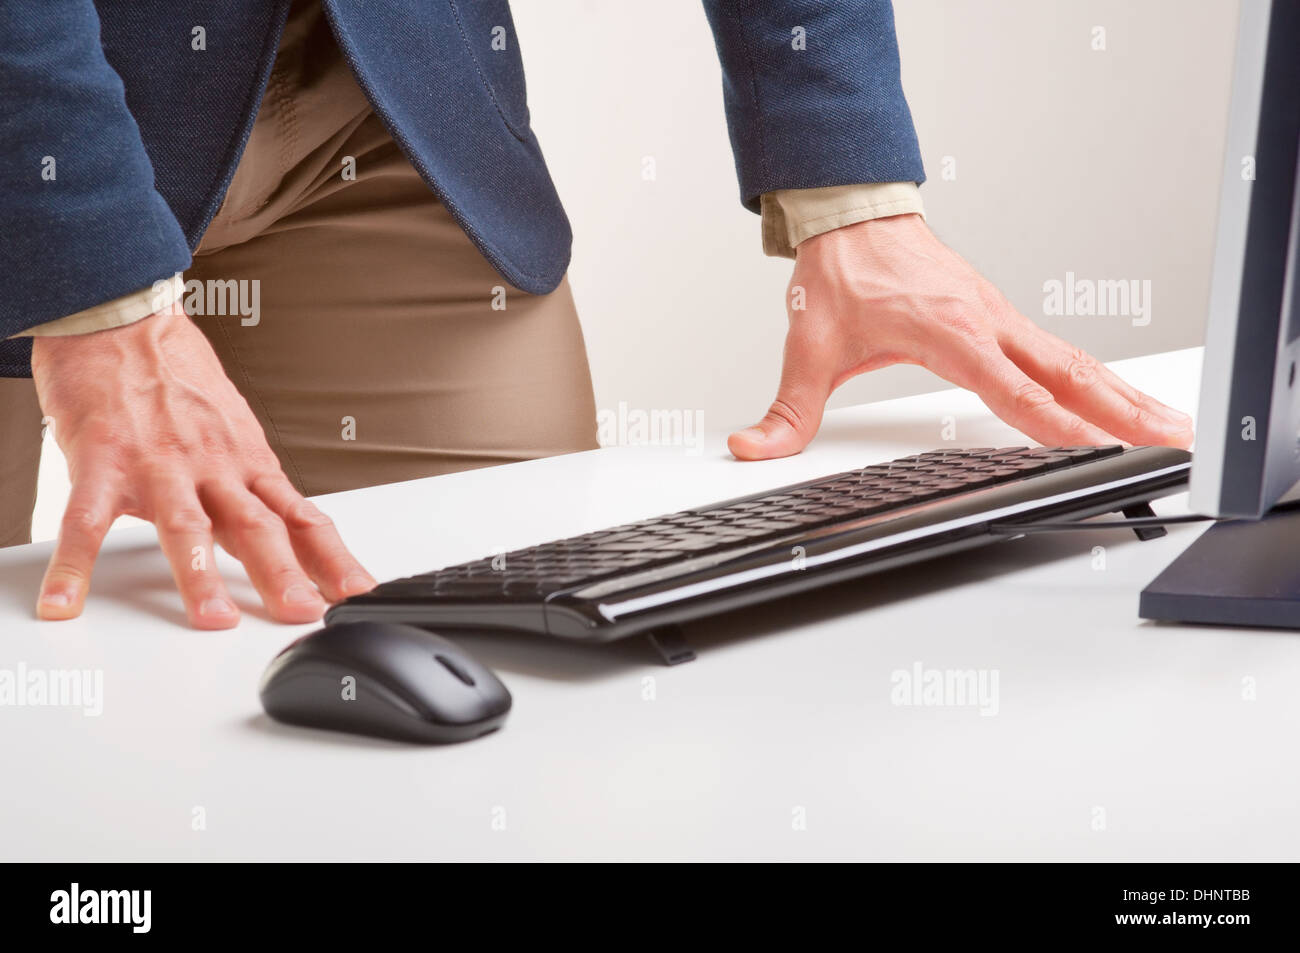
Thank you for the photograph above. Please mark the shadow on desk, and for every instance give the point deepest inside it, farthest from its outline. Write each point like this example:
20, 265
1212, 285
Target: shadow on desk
133, 576
567, 660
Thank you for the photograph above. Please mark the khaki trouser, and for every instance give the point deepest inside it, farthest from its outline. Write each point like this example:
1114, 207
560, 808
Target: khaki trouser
379, 350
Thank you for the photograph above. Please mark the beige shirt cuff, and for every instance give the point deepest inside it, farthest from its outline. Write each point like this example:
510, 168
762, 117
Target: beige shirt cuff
791, 216
113, 314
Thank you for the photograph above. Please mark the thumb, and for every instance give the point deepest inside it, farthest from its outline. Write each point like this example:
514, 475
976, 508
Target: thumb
792, 420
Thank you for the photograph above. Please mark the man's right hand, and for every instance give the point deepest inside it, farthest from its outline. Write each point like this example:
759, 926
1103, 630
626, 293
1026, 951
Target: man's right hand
152, 427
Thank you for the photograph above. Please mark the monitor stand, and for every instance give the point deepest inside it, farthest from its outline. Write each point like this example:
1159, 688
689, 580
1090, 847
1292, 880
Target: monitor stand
1239, 572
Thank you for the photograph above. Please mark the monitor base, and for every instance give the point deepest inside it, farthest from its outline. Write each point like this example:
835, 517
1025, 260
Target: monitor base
1240, 572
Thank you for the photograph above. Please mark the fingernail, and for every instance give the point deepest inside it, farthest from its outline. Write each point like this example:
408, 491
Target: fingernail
754, 434
59, 600
216, 606
358, 582
300, 594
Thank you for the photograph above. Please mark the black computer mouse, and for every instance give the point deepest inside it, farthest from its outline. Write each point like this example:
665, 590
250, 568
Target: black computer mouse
384, 679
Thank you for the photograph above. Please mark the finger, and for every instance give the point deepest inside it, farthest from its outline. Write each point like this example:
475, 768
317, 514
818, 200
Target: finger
796, 414
1084, 385
185, 535
91, 509
315, 541
258, 539
1023, 402
1131, 393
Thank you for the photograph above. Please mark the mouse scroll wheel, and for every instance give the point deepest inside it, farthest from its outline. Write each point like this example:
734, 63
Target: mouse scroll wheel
455, 669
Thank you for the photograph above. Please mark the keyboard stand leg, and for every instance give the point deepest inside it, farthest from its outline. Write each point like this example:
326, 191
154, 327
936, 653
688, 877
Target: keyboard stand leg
671, 645
1145, 532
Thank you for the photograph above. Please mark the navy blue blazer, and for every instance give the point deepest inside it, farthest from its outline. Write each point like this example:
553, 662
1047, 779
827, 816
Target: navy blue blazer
118, 139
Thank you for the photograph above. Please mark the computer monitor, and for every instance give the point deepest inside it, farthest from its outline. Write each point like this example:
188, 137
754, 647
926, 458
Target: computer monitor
1248, 426
1246, 571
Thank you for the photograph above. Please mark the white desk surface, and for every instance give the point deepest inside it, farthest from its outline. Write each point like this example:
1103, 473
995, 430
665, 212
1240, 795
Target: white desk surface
787, 709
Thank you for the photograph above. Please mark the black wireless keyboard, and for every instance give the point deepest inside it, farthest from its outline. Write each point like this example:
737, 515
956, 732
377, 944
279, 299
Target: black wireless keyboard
645, 576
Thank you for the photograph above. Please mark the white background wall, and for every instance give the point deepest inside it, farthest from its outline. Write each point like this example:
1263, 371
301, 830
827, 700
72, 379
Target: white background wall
1103, 163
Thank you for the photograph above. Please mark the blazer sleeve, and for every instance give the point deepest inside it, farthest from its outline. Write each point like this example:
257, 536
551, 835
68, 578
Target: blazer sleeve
813, 94
83, 222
